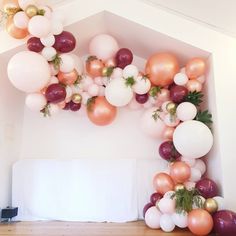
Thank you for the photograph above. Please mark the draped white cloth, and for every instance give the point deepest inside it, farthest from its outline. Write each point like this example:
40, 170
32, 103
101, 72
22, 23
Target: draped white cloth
97, 190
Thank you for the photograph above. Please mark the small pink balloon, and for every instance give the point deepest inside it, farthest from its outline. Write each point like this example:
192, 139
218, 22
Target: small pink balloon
21, 20
117, 73
111, 62
35, 101
189, 185
164, 95
168, 133
98, 81
171, 121
167, 205
194, 85
152, 218
86, 82
93, 90
103, 46
53, 70
201, 79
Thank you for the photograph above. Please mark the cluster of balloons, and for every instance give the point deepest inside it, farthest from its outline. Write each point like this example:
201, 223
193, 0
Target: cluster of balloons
55, 78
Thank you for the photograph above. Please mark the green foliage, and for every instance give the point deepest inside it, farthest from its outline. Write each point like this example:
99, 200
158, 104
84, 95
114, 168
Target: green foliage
56, 62
185, 199
204, 117
109, 71
156, 114
41, 12
154, 91
78, 80
129, 81
194, 97
46, 110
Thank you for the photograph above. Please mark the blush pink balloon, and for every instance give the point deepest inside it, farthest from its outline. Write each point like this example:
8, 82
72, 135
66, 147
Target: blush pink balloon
152, 218
164, 95
171, 121
168, 133
194, 85
21, 20
93, 90
167, 205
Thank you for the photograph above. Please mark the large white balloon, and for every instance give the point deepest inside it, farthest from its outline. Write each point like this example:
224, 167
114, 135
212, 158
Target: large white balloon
130, 71
35, 101
193, 139
150, 126
180, 220
167, 223
79, 66
118, 93
39, 26
152, 218
28, 71
103, 46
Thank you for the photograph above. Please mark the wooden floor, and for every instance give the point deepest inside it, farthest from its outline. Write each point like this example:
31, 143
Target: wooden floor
57, 228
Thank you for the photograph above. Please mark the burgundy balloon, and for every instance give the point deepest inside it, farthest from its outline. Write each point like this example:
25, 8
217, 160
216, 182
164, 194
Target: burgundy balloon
123, 57
74, 106
141, 98
64, 42
207, 188
67, 106
178, 93
225, 223
168, 152
155, 197
146, 207
55, 93
34, 44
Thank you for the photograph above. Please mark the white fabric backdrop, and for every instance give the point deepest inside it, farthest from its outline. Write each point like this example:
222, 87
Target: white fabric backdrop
112, 190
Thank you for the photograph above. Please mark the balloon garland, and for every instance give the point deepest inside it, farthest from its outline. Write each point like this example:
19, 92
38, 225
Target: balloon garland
54, 79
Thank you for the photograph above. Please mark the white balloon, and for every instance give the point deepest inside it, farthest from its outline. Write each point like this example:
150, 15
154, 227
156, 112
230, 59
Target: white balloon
167, 205
195, 175
192, 139
149, 125
130, 71
220, 202
200, 165
78, 64
98, 81
142, 85
101, 91
35, 101
39, 26
152, 218
86, 82
28, 71
53, 109
56, 27
190, 161
180, 220
168, 194
189, 185
166, 223
67, 63
117, 73
118, 93
106, 80
25, 3
180, 79
21, 20
93, 90
186, 111
69, 92
48, 41
202, 79
49, 53
53, 80
85, 97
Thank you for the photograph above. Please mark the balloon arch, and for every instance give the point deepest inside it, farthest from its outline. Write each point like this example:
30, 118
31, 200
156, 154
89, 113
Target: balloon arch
54, 79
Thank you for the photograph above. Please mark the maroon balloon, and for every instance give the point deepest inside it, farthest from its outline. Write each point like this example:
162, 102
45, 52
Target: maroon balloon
34, 44
74, 106
146, 207
155, 197
207, 188
141, 98
67, 106
55, 93
178, 93
225, 223
123, 57
168, 152
64, 42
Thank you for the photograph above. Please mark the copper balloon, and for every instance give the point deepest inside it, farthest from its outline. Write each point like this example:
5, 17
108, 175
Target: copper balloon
68, 78
180, 172
168, 133
161, 68
101, 112
94, 67
200, 222
14, 31
195, 68
211, 205
163, 183
194, 85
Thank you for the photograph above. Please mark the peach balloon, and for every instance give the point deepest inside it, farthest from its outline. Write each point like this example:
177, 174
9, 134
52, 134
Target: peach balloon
161, 68
15, 32
194, 85
101, 112
111, 62
200, 222
68, 78
195, 68
163, 183
168, 133
164, 95
180, 172
94, 67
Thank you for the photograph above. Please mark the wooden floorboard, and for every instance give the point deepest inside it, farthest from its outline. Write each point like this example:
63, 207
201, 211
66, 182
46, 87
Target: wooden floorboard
57, 228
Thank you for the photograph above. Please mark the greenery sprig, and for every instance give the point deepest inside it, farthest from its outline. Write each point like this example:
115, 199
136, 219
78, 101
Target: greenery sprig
46, 110
41, 12
130, 81
204, 117
154, 91
185, 199
78, 80
156, 114
56, 62
194, 97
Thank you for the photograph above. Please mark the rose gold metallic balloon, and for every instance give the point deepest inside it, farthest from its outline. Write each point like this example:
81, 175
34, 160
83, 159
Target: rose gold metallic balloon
195, 68
180, 172
15, 32
168, 133
161, 68
194, 85
101, 112
94, 67
110, 63
163, 183
68, 78
9, 5
200, 222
